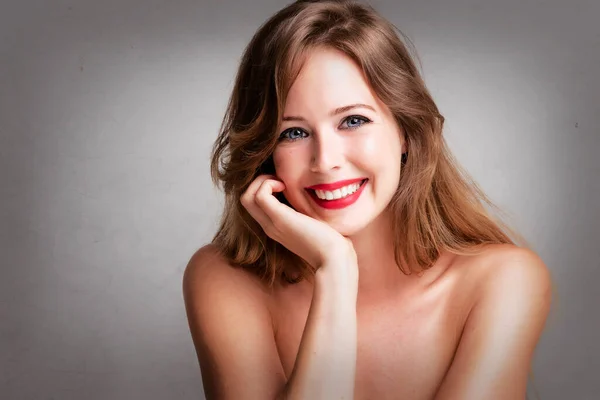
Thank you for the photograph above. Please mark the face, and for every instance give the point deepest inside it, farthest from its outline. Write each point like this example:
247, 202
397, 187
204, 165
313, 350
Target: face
353, 153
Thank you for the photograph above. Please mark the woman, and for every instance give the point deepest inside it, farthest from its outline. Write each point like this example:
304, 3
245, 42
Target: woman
354, 259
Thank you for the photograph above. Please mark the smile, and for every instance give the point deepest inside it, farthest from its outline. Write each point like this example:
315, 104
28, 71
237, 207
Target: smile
340, 197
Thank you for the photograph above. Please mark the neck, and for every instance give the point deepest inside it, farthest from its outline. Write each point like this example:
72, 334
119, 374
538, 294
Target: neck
379, 275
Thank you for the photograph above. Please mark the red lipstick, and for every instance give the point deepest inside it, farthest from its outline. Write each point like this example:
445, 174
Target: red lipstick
335, 185
338, 203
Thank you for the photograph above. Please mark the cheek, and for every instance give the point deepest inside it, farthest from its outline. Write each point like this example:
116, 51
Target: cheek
287, 164
381, 149
279, 161
286, 161
370, 146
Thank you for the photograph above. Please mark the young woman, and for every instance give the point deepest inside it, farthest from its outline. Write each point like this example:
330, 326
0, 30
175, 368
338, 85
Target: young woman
354, 260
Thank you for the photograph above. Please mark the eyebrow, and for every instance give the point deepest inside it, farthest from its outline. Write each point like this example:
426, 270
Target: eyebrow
335, 112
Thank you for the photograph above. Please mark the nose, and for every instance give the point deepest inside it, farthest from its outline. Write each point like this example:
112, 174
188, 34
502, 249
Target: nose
327, 152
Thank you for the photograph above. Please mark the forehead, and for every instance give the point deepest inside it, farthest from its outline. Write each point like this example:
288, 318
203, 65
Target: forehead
328, 79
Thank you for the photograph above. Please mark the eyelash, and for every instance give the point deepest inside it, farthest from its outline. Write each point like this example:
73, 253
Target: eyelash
364, 120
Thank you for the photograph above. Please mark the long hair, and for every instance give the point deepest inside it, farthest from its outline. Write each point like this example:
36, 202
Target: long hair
437, 206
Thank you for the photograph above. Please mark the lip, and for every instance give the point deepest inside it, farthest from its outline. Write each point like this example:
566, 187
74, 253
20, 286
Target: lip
335, 185
339, 203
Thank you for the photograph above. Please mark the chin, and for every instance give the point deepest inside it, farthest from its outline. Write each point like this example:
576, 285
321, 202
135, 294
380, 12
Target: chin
348, 229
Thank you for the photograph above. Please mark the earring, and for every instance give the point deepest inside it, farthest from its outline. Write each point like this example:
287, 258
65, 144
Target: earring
403, 158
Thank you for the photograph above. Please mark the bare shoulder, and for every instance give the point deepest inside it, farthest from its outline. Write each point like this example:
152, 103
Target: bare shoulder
509, 268
505, 278
499, 273
231, 327
509, 299
208, 269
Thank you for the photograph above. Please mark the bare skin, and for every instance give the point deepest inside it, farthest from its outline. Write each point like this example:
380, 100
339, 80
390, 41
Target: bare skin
430, 341
406, 339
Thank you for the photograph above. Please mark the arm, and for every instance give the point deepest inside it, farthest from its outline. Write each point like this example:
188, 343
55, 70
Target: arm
325, 366
494, 354
231, 329
232, 332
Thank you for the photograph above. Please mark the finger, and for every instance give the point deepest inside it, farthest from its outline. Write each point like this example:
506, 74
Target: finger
254, 186
269, 204
249, 202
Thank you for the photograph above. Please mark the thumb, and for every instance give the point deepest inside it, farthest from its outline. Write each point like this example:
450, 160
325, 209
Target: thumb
276, 184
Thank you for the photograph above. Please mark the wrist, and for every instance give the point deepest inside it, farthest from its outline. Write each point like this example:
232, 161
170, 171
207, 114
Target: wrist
340, 277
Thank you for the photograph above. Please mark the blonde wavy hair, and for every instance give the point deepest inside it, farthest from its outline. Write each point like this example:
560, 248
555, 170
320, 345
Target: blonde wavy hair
437, 206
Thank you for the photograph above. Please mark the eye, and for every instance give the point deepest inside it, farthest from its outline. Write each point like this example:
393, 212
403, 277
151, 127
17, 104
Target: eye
292, 134
354, 121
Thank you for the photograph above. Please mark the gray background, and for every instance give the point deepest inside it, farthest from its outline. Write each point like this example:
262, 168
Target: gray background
108, 110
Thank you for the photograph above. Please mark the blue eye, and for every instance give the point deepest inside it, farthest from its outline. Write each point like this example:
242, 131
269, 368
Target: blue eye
293, 134
355, 118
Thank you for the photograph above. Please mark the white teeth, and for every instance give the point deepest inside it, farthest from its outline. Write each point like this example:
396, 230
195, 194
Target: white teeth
337, 193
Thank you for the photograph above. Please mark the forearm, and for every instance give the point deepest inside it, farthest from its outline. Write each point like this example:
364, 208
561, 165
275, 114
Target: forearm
326, 361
